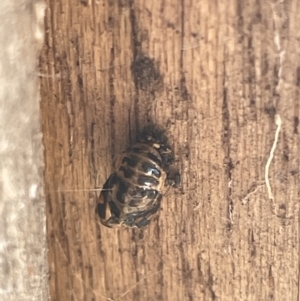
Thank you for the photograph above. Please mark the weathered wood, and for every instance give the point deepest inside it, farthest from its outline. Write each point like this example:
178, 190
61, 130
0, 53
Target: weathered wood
214, 73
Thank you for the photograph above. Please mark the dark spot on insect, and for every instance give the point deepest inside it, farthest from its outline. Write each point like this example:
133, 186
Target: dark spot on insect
101, 210
145, 73
154, 159
143, 223
112, 180
151, 194
127, 172
130, 161
144, 180
142, 219
136, 193
114, 209
150, 168
138, 150
132, 218
129, 222
113, 221
136, 202
135, 215
122, 189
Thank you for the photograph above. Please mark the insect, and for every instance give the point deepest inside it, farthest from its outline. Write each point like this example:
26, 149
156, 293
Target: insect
133, 194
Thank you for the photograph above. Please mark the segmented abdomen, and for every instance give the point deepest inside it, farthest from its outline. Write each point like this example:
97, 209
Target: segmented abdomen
137, 184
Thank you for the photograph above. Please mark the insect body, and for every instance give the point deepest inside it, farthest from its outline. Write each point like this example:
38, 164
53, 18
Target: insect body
132, 195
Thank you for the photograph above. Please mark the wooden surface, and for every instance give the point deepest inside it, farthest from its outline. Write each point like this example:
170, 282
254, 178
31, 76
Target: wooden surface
214, 73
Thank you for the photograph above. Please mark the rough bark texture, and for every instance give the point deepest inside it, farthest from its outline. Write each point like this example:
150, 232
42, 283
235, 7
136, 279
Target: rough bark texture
214, 73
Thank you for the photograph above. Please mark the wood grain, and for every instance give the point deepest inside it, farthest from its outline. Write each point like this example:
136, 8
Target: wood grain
214, 73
